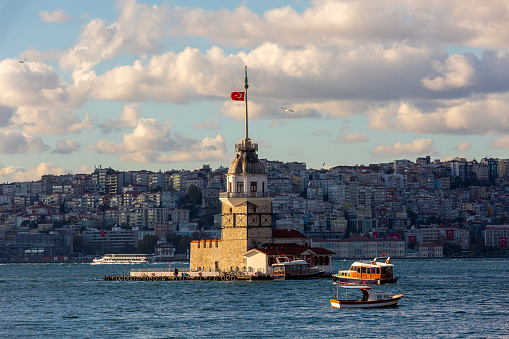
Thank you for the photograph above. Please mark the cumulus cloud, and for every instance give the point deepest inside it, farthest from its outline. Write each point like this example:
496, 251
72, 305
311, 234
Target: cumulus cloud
128, 118
502, 142
481, 114
151, 139
207, 125
6, 114
55, 16
415, 147
353, 138
15, 142
64, 146
464, 146
18, 173
44, 103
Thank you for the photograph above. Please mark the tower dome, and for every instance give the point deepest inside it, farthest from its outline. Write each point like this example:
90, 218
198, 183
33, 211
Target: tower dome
246, 161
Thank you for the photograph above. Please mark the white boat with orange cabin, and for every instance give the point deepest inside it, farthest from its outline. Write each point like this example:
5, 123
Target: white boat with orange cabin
368, 272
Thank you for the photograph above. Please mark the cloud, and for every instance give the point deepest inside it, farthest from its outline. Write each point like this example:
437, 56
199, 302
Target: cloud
17, 142
128, 118
66, 146
207, 125
6, 114
415, 147
137, 30
353, 138
502, 142
151, 139
455, 72
55, 16
480, 114
464, 146
18, 173
43, 102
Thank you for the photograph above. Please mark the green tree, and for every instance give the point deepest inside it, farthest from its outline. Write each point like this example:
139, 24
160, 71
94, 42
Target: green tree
147, 244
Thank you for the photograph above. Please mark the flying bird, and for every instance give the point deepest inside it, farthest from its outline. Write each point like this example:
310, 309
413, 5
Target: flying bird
286, 109
22, 61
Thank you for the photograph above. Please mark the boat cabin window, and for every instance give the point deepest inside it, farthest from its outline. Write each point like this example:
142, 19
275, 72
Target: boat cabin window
364, 270
358, 270
378, 270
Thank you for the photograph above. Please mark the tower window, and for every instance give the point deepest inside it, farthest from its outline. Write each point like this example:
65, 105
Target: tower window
230, 187
253, 186
240, 187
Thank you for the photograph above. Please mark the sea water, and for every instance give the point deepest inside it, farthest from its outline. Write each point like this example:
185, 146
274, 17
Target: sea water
444, 298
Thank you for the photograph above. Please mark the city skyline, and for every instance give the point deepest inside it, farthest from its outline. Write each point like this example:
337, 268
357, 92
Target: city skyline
137, 85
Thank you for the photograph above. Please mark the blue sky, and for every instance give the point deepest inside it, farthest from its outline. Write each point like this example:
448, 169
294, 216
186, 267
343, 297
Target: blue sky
146, 84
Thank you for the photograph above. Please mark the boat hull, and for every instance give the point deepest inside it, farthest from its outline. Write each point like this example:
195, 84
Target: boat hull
315, 275
366, 304
348, 280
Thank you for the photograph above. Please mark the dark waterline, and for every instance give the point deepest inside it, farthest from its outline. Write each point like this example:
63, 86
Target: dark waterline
459, 298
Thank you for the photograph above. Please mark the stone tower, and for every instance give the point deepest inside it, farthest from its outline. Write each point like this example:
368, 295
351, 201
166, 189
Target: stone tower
246, 220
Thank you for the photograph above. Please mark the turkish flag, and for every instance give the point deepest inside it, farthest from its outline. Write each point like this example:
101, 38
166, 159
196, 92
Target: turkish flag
503, 241
103, 234
450, 235
374, 235
412, 238
239, 96
395, 236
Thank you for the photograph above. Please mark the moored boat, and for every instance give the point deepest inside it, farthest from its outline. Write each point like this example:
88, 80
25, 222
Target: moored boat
286, 269
370, 299
368, 272
126, 259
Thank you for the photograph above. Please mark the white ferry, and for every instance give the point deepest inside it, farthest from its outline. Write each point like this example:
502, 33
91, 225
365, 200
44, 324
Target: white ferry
126, 259
368, 272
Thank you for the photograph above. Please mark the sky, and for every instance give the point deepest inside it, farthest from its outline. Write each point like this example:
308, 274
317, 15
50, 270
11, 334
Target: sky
137, 85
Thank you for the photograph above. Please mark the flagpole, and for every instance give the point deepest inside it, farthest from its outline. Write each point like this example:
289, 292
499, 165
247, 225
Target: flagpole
246, 86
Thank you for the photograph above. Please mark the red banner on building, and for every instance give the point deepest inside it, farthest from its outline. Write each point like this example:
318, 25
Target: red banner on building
395, 236
374, 235
103, 234
503, 241
450, 235
412, 239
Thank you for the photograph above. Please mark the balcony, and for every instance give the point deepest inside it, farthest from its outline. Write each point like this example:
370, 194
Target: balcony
245, 195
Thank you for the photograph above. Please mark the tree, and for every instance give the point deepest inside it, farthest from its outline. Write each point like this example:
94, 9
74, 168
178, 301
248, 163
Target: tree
147, 244
192, 200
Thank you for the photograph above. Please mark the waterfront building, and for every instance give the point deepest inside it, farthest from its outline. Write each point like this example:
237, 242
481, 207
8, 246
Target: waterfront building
496, 236
359, 246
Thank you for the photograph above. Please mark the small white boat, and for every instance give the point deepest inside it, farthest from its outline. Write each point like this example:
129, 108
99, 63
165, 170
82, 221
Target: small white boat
286, 269
126, 259
369, 298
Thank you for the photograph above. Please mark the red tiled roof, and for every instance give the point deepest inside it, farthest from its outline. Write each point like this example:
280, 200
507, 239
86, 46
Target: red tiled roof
291, 249
287, 234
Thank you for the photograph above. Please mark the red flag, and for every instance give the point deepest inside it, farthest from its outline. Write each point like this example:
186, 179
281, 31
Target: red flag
412, 238
450, 235
103, 234
503, 241
374, 235
239, 96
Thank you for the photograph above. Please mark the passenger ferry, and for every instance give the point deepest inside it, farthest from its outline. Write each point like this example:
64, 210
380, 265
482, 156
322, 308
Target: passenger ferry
286, 269
368, 273
126, 259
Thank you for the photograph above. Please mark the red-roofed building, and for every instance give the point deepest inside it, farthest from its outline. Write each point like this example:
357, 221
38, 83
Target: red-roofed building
262, 259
